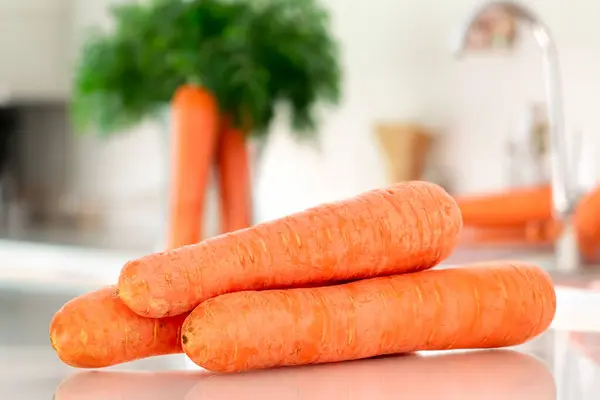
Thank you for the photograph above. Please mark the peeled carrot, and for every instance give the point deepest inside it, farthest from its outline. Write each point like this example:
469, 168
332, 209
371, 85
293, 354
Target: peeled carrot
484, 306
97, 330
513, 208
406, 228
195, 122
234, 180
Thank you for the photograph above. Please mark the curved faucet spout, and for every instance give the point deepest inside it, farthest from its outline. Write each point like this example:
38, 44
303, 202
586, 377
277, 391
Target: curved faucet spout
564, 192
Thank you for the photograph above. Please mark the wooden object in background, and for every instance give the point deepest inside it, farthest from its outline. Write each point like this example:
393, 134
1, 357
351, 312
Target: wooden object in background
406, 147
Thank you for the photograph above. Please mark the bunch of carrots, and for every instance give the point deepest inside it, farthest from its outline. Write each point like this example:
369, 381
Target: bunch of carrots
347, 280
203, 138
526, 213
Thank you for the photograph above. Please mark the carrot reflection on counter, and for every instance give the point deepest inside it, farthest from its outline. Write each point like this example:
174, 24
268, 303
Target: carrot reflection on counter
126, 385
97, 330
494, 374
408, 227
471, 375
484, 306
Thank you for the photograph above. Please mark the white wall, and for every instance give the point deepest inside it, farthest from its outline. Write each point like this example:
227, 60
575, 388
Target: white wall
398, 65
33, 56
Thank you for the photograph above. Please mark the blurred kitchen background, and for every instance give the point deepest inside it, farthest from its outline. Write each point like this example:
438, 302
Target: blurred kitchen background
409, 109
398, 69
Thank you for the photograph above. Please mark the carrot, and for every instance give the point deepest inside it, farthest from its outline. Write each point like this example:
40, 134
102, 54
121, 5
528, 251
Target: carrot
586, 220
532, 233
484, 306
234, 180
514, 208
405, 228
97, 330
195, 121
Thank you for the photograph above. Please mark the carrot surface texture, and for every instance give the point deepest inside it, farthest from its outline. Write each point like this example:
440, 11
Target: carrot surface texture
234, 179
405, 228
194, 138
483, 306
97, 330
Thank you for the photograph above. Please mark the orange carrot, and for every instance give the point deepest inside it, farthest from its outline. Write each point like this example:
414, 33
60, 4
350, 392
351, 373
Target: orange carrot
195, 121
514, 208
484, 306
532, 233
586, 220
97, 330
406, 228
234, 180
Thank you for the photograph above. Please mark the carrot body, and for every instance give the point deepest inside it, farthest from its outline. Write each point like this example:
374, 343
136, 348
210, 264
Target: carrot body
514, 208
587, 224
195, 129
405, 228
97, 330
234, 180
486, 306
532, 233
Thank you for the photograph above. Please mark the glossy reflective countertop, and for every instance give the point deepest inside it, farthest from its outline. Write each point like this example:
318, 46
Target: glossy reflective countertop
557, 365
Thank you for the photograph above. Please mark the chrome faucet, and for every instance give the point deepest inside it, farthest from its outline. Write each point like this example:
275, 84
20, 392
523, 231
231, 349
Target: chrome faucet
478, 34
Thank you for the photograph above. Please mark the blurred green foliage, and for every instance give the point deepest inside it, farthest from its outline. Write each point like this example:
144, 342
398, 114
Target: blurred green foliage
252, 55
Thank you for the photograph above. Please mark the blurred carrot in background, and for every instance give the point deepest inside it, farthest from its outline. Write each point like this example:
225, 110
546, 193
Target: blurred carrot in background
512, 208
234, 179
195, 129
587, 224
525, 215
533, 232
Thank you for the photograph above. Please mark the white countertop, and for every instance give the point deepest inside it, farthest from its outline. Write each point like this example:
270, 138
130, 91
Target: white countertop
56, 267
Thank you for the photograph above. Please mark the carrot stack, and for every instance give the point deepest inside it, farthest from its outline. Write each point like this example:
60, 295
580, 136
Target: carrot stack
341, 281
